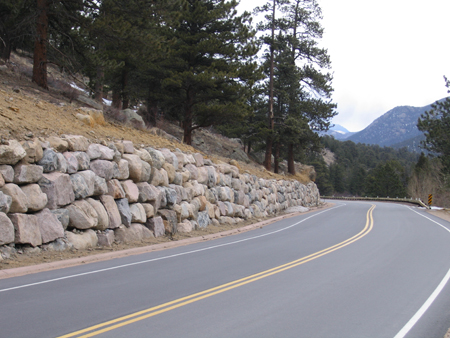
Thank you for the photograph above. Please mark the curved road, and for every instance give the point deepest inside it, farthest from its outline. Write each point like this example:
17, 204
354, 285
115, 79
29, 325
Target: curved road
354, 270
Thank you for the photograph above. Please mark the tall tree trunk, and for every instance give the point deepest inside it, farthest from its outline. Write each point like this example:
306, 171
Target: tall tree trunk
98, 88
268, 157
152, 111
276, 168
116, 99
291, 165
125, 97
5, 44
40, 45
249, 147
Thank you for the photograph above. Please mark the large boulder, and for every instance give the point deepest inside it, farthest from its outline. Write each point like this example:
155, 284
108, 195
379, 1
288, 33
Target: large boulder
77, 142
58, 188
131, 191
83, 160
49, 161
139, 170
82, 215
36, 199
34, 150
115, 189
98, 151
82, 240
80, 187
49, 226
103, 219
12, 152
26, 229
19, 200
5, 202
138, 214
156, 225
7, 172
158, 158
6, 230
111, 209
171, 220
105, 169
124, 210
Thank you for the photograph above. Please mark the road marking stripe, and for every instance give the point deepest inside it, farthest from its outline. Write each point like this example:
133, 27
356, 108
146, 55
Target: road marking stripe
153, 311
165, 257
414, 319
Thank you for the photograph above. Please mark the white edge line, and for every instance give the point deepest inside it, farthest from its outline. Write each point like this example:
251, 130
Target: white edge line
409, 325
165, 257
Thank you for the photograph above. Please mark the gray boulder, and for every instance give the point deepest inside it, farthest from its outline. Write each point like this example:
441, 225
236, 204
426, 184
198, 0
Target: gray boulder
49, 226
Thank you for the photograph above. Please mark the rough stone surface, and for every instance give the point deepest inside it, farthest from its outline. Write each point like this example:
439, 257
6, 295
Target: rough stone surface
156, 225
49, 161
124, 172
131, 191
111, 209
80, 187
158, 158
49, 226
100, 186
36, 199
139, 170
58, 143
184, 227
125, 234
89, 178
26, 229
124, 210
105, 169
171, 217
82, 215
98, 151
102, 215
77, 142
83, 240
63, 216
83, 160
6, 230
12, 152
34, 150
19, 200
7, 172
58, 188
115, 189
149, 210
106, 238
138, 214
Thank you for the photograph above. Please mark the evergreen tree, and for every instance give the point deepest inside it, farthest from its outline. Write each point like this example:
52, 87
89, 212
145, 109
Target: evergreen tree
436, 125
210, 63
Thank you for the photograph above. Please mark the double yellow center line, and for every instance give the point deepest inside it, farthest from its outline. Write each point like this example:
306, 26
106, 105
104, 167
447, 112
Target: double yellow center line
153, 311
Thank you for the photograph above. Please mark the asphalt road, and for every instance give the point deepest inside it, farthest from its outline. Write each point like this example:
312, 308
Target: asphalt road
355, 270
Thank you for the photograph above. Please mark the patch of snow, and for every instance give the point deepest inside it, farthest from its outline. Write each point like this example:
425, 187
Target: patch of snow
73, 85
107, 102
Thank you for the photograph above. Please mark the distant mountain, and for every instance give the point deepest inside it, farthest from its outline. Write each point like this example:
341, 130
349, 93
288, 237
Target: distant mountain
338, 132
397, 128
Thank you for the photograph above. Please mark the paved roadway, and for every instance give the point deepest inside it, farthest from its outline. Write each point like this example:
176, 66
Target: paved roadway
355, 270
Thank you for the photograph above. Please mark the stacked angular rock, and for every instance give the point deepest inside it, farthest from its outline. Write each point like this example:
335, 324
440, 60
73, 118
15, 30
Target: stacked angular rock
60, 193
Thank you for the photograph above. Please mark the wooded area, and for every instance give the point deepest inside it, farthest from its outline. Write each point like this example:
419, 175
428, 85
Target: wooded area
198, 63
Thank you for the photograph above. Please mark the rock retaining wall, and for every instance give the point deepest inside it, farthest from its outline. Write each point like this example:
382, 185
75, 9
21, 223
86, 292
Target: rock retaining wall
61, 193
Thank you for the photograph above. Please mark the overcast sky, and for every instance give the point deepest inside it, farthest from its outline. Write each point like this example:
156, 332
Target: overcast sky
384, 53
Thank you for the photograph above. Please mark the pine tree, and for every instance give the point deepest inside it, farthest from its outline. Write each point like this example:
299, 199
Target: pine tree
436, 125
210, 63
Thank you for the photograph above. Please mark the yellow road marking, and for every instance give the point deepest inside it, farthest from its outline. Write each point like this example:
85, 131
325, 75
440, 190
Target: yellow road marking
153, 311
